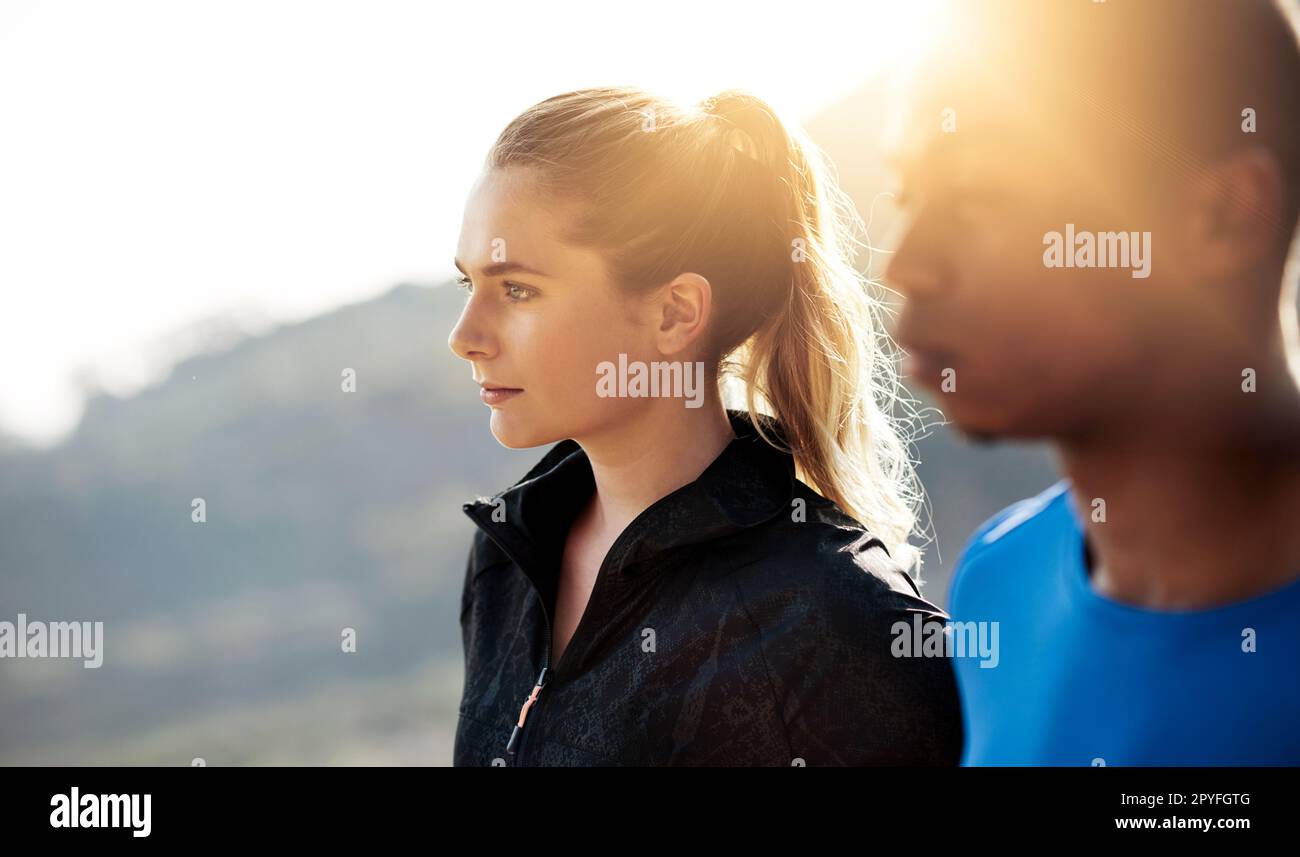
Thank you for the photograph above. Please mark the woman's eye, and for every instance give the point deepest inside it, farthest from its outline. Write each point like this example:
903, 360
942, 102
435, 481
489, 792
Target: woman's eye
515, 293
518, 293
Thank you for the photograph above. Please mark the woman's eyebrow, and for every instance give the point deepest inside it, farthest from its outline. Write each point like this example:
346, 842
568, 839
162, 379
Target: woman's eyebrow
497, 269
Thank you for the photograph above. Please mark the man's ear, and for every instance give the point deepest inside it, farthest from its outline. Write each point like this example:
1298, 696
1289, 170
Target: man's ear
1236, 210
685, 306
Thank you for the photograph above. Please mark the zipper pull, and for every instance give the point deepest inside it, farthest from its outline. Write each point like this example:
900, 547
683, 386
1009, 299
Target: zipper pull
523, 712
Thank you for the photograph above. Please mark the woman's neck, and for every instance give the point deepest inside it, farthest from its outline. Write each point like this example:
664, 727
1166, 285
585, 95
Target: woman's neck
656, 450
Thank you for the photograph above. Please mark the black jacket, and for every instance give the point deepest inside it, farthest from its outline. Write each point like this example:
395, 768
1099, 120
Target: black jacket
721, 629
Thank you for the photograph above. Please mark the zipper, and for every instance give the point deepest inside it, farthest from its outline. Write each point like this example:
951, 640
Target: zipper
523, 712
516, 734
517, 738
514, 745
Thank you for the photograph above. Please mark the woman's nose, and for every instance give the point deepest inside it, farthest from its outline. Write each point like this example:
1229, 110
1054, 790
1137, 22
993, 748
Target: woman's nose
470, 339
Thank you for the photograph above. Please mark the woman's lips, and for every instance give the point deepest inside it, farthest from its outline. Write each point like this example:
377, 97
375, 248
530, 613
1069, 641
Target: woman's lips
497, 395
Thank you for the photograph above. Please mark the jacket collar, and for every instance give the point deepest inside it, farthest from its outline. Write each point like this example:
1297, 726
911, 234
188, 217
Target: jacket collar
749, 482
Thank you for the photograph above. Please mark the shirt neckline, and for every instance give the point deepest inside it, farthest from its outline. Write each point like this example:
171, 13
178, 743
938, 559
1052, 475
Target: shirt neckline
747, 483
1082, 592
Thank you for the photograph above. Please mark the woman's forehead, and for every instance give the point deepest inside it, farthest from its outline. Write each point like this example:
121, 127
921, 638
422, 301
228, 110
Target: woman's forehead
509, 227
501, 207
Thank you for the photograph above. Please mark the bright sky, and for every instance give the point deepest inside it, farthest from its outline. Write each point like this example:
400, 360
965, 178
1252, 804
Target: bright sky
165, 162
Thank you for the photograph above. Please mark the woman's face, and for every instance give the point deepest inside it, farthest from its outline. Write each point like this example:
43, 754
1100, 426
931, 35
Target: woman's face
540, 316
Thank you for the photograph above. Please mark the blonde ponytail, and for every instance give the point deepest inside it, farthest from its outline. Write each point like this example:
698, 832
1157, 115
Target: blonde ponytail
823, 364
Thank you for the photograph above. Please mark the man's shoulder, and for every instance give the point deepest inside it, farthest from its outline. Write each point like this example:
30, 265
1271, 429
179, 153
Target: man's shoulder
1018, 533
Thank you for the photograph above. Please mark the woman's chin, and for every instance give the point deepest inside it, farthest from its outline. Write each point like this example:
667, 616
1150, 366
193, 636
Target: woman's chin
513, 433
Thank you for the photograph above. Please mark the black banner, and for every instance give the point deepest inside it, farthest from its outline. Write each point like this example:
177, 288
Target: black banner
306, 805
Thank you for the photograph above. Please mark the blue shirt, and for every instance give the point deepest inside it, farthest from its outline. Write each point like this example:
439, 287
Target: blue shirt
1080, 679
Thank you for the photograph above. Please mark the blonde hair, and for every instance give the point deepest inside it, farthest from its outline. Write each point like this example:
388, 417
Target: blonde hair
728, 191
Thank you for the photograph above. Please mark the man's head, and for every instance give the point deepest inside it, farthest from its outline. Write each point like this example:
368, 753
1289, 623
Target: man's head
1100, 197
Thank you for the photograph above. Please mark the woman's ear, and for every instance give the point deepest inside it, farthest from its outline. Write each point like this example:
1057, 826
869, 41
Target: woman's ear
685, 305
1235, 215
